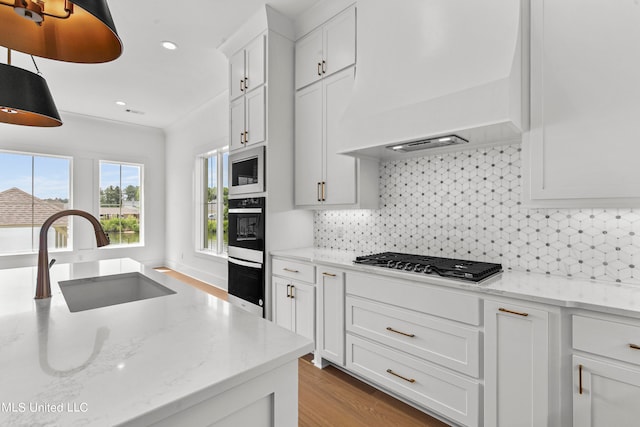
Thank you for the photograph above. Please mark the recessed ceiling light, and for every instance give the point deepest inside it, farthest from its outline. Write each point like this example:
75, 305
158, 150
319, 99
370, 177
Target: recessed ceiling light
169, 45
121, 103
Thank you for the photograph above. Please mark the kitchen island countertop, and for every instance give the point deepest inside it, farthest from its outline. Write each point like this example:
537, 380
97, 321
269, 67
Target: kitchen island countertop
607, 297
132, 363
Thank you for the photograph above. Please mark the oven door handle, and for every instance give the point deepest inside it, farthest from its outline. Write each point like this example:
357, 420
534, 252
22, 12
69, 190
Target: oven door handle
245, 263
245, 210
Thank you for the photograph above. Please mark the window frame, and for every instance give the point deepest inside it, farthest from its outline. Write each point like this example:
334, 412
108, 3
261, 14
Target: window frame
202, 203
34, 237
142, 219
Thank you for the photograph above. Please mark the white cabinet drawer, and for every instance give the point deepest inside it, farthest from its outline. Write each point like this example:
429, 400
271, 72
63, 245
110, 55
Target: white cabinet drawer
294, 270
607, 338
417, 296
427, 385
451, 345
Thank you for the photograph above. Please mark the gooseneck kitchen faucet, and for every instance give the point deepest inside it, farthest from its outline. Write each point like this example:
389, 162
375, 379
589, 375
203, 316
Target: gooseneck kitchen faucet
43, 281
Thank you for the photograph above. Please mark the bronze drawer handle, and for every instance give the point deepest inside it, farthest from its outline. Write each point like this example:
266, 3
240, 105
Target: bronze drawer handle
409, 380
580, 378
290, 270
389, 328
519, 313
634, 346
328, 274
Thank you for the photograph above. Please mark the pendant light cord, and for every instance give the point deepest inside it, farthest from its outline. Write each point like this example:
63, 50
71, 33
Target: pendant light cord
35, 65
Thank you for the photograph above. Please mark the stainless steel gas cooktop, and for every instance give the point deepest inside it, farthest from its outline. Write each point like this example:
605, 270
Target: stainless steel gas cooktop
473, 271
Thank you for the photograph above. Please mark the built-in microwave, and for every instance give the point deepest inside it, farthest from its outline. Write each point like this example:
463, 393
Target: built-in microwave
246, 171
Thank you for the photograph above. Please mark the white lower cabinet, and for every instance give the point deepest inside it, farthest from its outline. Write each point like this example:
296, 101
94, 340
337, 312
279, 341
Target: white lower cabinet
606, 387
294, 306
517, 366
418, 341
330, 309
605, 394
424, 383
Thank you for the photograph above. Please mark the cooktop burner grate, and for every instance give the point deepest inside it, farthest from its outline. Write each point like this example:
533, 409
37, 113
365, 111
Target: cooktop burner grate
473, 271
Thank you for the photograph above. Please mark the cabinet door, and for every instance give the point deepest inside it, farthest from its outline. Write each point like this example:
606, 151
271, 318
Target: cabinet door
516, 365
308, 145
331, 332
255, 116
340, 170
309, 58
584, 103
340, 42
303, 297
282, 306
255, 54
236, 117
605, 394
236, 75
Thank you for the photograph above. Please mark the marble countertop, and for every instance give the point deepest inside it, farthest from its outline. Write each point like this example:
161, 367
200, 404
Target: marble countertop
137, 361
606, 297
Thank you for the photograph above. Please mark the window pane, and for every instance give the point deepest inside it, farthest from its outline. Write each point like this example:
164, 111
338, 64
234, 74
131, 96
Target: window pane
225, 206
51, 191
32, 188
121, 202
212, 203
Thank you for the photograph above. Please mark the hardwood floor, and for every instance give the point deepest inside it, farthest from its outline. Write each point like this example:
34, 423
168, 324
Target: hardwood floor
216, 292
329, 397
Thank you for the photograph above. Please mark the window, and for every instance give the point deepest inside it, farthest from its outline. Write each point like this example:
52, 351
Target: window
32, 188
121, 202
213, 207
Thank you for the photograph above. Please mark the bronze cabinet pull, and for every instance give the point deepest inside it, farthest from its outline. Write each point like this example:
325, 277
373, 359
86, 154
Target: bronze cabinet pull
634, 346
241, 137
389, 328
324, 67
409, 380
328, 274
319, 69
318, 192
246, 79
241, 85
246, 136
519, 313
288, 291
580, 379
324, 196
290, 270
292, 288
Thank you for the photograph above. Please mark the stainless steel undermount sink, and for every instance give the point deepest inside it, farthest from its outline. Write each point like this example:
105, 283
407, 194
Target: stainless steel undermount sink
102, 291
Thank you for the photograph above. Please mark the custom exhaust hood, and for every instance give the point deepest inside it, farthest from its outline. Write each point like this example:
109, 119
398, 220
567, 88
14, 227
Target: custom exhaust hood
434, 72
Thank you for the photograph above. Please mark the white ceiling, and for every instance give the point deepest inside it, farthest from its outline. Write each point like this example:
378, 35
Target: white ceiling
164, 85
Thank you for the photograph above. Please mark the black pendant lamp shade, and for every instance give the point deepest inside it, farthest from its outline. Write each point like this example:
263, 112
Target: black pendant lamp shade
25, 99
72, 31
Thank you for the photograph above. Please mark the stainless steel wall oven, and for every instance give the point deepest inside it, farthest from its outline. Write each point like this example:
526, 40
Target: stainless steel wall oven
246, 282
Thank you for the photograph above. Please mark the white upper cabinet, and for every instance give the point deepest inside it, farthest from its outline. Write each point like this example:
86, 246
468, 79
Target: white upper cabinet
327, 49
583, 147
324, 178
247, 68
247, 117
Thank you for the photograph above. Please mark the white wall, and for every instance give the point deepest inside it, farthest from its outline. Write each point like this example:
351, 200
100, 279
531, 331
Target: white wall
201, 131
89, 140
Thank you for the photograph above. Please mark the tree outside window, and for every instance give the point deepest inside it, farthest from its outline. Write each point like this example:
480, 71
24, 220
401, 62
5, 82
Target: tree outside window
121, 202
215, 197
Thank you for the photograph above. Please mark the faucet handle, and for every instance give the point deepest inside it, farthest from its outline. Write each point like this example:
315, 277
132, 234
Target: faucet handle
53, 260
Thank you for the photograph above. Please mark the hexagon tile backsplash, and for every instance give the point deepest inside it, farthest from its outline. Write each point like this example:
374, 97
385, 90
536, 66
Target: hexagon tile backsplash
467, 205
